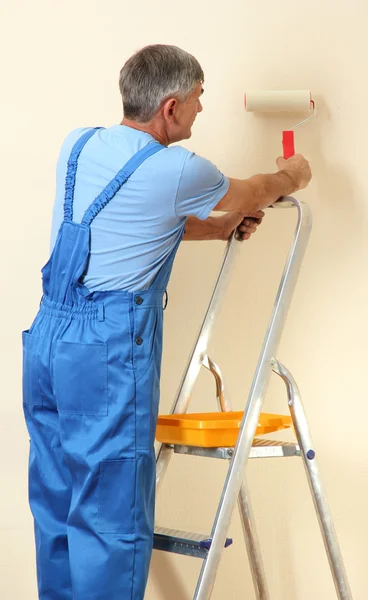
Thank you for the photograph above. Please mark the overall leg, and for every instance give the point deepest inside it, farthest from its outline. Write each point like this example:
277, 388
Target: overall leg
49, 478
49, 497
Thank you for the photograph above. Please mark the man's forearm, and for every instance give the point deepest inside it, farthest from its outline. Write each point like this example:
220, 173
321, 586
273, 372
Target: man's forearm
196, 230
261, 191
257, 192
267, 189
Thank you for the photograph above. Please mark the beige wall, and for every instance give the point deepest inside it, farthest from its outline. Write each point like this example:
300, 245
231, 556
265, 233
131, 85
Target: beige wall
60, 62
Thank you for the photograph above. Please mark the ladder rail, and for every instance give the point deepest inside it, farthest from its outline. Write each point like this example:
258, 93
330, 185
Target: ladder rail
200, 348
199, 352
255, 400
316, 487
252, 544
244, 504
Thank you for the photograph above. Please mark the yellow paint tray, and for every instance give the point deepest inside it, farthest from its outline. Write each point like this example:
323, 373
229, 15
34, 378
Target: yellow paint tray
210, 430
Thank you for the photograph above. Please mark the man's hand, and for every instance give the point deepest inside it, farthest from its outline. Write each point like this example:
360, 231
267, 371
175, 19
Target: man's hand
298, 169
246, 225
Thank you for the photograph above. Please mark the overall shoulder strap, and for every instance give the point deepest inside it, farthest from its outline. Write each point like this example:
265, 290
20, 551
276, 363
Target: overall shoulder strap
122, 176
72, 171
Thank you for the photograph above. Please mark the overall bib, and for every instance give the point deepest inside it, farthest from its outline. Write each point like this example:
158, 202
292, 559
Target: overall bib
91, 374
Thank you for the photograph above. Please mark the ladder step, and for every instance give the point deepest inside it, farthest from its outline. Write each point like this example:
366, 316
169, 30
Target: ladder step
183, 542
261, 449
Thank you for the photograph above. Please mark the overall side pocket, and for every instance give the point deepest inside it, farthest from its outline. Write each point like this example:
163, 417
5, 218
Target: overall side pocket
80, 378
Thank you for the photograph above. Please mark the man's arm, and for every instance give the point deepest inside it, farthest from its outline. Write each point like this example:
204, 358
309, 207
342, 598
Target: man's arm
260, 191
221, 227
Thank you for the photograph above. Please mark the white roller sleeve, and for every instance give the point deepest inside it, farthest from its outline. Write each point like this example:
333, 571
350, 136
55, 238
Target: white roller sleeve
291, 100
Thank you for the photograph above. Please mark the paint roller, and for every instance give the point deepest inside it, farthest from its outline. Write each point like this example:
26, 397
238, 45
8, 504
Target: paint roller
282, 101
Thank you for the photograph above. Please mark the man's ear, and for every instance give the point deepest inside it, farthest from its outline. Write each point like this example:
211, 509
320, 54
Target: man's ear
170, 107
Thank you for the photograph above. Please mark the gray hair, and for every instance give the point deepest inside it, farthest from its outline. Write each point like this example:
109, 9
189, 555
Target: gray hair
153, 74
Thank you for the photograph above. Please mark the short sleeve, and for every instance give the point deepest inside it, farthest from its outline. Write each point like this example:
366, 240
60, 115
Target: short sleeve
200, 189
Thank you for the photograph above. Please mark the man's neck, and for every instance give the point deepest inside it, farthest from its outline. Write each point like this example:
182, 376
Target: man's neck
151, 127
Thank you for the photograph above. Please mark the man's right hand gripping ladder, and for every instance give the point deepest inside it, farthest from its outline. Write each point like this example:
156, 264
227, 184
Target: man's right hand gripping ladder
231, 435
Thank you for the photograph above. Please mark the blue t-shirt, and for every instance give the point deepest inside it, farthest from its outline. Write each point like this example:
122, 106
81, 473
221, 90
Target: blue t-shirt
134, 234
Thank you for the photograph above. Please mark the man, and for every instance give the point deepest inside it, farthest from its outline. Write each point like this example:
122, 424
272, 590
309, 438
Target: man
124, 201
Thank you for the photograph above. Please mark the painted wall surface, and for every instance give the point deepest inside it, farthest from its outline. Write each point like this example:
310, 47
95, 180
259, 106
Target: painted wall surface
60, 65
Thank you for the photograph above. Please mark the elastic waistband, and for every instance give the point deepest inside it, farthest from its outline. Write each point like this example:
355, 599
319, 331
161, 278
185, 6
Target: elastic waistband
85, 309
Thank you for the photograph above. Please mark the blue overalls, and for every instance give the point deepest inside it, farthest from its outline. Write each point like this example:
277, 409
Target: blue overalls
91, 391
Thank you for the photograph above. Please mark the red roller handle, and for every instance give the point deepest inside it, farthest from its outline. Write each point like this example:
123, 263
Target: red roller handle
288, 143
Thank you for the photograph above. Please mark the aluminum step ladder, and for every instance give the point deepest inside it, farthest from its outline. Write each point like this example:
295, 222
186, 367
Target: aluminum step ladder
210, 547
